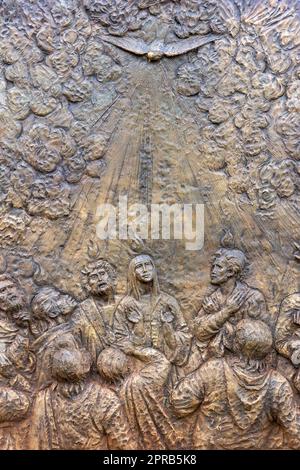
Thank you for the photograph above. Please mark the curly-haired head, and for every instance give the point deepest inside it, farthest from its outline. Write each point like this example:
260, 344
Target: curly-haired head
12, 297
99, 277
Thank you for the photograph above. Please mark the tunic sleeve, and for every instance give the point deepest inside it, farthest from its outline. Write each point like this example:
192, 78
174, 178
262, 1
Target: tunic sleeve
286, 330
182, 336
285, 412
208, 325
188, 394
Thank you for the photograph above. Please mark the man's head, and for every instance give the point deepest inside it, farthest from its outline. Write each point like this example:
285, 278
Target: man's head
253, 339
112, 365
100, 278
50, 303
12, 299
226, 264
71, 365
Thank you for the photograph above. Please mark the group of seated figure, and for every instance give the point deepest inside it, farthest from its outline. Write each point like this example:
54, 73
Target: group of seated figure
129, 372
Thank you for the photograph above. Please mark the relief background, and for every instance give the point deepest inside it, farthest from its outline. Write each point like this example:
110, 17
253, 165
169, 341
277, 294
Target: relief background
82, 122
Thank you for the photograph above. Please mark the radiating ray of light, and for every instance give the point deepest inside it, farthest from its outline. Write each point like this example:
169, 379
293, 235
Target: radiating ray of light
147, 115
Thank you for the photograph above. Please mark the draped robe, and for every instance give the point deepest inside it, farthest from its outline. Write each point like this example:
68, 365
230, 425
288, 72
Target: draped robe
237, 408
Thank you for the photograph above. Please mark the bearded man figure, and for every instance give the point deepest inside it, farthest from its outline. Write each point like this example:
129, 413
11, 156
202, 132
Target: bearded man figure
14, 318
92, 319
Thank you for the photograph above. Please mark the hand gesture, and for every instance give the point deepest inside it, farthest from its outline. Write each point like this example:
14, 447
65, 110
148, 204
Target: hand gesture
210, 305
166, 316
125, 345
110, 337
295, 357
19, 354
235, 301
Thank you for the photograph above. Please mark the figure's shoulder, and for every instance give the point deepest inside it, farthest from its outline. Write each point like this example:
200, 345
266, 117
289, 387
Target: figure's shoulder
213, 293
118, 299
209, 367
57, 333
210, 371
252, 292
86, 303
126, 304
79, 312
125, 300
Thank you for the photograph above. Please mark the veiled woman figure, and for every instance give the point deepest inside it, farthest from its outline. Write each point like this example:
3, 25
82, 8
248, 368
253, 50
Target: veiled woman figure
150, 318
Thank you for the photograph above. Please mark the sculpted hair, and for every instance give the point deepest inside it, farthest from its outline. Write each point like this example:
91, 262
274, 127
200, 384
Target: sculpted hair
236, 260
133, 283
70, 365
253, 339
112, 364
42, 304
95, 266
290, 303
5, 277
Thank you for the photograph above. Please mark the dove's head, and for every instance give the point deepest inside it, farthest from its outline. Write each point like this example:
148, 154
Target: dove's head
154, 55
156, 50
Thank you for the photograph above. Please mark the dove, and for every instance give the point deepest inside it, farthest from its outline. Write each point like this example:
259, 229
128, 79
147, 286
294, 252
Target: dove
157, 49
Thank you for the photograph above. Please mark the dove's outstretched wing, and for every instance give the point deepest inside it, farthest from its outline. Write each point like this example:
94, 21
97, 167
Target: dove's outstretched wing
136, 46
186, 45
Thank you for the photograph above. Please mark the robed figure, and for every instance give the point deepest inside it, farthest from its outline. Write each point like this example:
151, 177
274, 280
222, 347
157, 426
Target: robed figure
149, 317
239, 402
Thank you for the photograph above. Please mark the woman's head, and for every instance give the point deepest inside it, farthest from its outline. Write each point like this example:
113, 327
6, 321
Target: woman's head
142, 271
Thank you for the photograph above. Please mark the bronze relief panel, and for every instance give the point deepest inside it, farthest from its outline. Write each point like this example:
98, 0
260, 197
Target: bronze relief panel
149, 224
